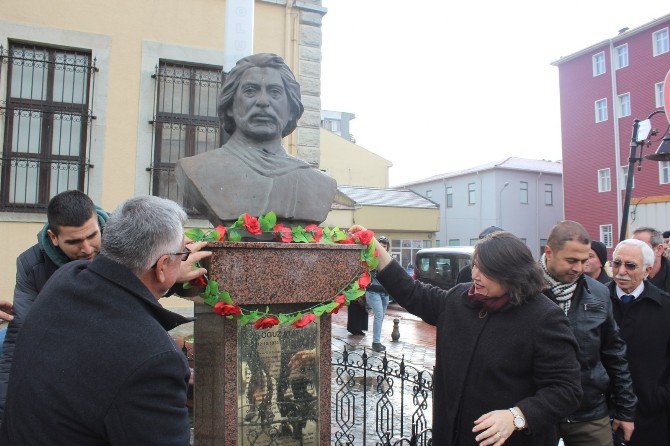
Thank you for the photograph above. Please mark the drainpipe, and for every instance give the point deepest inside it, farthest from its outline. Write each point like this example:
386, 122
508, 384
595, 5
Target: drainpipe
617, 147
537, 211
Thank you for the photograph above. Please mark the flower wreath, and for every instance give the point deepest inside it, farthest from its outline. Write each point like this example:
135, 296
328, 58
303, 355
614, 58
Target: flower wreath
223, 303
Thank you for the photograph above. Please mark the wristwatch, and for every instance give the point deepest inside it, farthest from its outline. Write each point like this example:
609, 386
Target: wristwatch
519, 421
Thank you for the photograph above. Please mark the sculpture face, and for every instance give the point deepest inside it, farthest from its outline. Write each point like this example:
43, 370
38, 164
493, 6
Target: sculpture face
260, 107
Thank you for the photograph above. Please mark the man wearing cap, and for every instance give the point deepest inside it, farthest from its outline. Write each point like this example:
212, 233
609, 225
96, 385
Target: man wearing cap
643, 314
595, 265
660, 272
465, 274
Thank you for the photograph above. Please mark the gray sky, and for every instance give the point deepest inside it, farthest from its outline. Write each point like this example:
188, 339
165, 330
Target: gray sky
438, 86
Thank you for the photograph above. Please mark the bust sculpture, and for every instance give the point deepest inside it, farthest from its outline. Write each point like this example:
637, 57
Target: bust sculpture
252, 172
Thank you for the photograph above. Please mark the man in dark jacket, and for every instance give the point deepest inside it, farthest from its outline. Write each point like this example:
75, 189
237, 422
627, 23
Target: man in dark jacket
660, 272
73, 232
94, 363
643, 313
595, 266
602, 352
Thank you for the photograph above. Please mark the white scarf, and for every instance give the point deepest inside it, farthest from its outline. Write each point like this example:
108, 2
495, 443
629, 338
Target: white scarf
562, 291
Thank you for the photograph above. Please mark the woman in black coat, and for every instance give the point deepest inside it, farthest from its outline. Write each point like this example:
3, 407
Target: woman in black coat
506, 363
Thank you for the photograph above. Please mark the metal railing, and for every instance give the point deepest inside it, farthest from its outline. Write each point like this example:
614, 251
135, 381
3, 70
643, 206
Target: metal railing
399, 395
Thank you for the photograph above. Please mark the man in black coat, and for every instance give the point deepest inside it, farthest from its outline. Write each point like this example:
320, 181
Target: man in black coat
72, 232
595, 266
94, 364
659, 275
643, 313
602, 352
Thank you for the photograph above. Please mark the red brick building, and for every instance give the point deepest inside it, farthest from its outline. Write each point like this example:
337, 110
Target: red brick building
603, 89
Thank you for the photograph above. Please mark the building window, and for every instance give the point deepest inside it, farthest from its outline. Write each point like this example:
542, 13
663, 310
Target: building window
601, 110
450, 197
438, 243
549, 194
604, 180
660, 42
472, 197
473, 241
606, 235
624, 178
664, 172
46, 124
454, 242
599, 64
621, 56
658, 93
429, 194
186, 121
404, 250
543, 244
624, 105
523, 192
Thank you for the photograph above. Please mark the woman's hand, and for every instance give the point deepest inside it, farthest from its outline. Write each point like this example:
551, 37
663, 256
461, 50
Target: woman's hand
6, 310
383, 255
494, 427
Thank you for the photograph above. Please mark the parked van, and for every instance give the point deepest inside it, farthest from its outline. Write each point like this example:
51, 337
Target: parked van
440, 266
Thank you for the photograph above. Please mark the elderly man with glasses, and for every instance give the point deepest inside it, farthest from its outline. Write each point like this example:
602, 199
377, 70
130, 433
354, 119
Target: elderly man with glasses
94, 364
643, 314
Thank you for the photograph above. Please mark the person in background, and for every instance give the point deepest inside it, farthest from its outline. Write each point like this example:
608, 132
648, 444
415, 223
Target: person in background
378, 300
602, 352
666, 242
660, 272
643, 314
595, 265
357, 317
506, 360
465, 274
94, 364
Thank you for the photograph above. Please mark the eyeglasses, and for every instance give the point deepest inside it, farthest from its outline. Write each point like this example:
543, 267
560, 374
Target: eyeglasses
631, 266
184, 255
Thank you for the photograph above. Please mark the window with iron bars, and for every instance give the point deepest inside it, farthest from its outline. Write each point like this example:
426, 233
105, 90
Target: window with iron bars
46, 141
185, 121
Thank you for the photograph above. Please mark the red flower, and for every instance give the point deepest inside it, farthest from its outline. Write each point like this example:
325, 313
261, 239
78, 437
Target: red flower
340, 303
364, 280
305, 321
225, 309
252, 225
282, 233
364, 237
316, 231
266, 322
222, 231
347, 241
199, 282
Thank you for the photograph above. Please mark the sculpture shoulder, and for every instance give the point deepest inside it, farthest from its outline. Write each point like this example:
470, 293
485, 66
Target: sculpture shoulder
215, 158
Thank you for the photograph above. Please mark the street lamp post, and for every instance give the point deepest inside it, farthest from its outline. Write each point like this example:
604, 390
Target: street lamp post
641, 138
500, 203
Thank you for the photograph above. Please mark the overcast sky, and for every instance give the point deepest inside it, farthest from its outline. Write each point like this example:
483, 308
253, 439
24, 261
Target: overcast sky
438, 86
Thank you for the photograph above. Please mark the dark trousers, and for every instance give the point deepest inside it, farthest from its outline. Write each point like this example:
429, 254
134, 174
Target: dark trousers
586, 433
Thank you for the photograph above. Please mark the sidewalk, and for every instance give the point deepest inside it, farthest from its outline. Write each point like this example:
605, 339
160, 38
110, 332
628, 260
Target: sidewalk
416, 343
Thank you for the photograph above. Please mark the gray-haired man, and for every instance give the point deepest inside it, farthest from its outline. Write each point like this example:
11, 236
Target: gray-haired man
94, 363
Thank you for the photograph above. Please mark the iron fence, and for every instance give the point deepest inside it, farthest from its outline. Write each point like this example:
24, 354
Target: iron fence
399, 395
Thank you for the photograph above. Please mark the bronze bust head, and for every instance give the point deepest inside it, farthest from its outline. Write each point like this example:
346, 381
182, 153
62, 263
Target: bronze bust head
259, 104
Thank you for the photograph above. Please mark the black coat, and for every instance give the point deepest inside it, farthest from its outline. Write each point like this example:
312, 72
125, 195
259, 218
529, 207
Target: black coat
94, 364
523, 356
602, 354
662, 278
645, 326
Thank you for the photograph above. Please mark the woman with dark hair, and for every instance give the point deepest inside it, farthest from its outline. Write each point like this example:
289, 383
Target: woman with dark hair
506, 361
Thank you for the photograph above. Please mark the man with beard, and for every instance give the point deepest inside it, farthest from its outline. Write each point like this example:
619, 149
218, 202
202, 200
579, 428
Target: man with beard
602, 352
643, 313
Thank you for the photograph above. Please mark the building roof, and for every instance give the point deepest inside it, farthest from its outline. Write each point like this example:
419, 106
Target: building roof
623, 35
370, 196
511, 163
